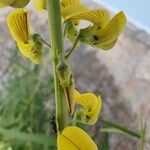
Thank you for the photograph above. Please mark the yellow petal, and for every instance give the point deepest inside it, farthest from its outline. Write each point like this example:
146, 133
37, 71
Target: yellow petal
25, 49
76, 93
71, 10
18, 25
40, 4
92, 116
19, 3
4, 3
106, 45
31, 51
87, 100
74, 138
99, 17
65, 3
64, 144
112, 30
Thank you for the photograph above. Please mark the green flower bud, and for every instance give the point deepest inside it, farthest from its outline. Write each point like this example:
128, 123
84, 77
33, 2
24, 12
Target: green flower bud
67, 81
64, 74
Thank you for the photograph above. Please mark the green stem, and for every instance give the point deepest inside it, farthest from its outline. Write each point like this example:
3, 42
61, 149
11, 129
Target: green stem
55, 26
143, 133
132, 133
47, 44
72, 49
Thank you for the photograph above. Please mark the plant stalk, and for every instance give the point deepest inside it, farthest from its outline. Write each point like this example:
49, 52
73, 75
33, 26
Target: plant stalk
132, 133
56, 36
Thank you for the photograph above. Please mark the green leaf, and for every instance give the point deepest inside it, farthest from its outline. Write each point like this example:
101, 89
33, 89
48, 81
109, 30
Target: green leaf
120, 128
37, 138
143, 134
112, 130
105, 142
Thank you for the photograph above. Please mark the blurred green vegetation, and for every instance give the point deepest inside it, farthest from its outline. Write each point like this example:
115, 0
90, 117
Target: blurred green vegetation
26, 106
27, 109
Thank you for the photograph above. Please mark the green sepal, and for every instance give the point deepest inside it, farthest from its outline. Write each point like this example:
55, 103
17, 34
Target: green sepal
81, 116
36, 54
70, 31
66, 80
64, 74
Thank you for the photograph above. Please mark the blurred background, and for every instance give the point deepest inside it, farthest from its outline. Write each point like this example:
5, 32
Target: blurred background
121, 76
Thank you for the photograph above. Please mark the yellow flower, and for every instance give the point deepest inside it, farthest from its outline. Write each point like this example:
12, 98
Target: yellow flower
91, 107
104, 32
40, 4
19, 27
69, 8
74, 138
13, 3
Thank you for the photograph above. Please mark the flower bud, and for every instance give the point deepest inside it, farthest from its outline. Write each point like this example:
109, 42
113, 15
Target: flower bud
91, 107
66, 79
64, 73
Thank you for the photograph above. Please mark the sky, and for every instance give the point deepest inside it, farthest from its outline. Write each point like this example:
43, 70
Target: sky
138, 11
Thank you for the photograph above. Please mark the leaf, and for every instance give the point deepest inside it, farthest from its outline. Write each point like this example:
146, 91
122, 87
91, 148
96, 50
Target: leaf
37, 138
112, 130
105, 143
143, 134
121, 128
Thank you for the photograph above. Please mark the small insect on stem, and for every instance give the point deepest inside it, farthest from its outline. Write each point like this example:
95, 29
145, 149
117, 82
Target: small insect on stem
53, 125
